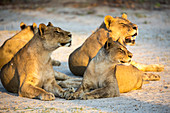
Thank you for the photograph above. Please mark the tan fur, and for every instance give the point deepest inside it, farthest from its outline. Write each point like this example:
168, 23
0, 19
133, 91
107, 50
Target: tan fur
148, 68
15, 43
30, 72
129, 78
119, 28
104, 78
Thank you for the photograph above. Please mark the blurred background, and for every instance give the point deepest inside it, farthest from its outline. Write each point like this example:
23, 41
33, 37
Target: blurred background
133, 4
82, 18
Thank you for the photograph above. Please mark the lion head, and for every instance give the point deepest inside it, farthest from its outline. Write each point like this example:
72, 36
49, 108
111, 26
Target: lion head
32, 27
121, 29
12, 45
54, 37
117, 52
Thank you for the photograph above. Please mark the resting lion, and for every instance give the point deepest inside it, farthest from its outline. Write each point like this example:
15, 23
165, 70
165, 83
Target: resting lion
119, 28
103, 79
12, 45
30, 72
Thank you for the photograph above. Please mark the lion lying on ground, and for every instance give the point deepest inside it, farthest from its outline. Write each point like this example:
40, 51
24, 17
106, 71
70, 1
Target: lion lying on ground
30, 72
103, 79
119, 28
12, 45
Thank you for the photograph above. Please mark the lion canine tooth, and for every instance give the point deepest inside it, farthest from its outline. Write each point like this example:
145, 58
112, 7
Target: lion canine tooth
134, 37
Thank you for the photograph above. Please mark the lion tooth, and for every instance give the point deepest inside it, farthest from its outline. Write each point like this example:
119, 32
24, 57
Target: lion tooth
134, 37
126, 64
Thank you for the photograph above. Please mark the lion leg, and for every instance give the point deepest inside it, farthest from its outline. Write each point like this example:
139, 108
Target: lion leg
55, 63
52, 86
150, 77
31, 91
148, 68
61, 76
72, 82
81, 90
104, 92
67, 82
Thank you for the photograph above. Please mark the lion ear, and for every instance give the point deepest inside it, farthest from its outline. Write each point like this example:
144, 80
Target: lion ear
42, 28
108, 44
124, 16
34, 25
50, 24
23, 25
108, 20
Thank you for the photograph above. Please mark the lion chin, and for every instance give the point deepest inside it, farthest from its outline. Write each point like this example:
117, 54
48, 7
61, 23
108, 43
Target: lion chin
130, 40
126, 63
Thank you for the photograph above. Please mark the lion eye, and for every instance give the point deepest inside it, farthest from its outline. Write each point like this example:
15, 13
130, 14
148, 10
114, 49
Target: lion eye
109, 30
120, 49
122, 23
56, 31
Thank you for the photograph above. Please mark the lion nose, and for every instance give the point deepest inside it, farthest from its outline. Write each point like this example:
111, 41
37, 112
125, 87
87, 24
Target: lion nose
135, 27
69, 35
130, 55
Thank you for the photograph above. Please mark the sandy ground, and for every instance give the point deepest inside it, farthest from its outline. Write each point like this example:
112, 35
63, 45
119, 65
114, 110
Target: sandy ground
152, 46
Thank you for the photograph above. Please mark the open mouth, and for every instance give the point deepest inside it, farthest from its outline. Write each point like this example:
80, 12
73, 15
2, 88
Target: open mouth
125, 61
130, 39
68, 44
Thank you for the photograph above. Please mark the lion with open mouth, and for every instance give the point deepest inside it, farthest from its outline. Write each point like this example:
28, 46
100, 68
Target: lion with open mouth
119, 29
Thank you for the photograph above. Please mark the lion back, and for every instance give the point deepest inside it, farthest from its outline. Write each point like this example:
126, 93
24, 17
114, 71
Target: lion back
12, 45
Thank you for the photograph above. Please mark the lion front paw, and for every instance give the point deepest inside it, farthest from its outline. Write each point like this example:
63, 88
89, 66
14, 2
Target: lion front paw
56, 63
154, 68
68, 93
151, 77
73, 96
85, 96
159, 67
47, 96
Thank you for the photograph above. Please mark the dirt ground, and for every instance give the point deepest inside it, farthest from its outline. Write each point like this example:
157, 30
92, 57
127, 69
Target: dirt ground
152, 46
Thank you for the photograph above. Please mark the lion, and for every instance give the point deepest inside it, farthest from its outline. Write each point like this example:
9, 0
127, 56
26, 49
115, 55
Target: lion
30, 72
12, 45
103, 77
118, 28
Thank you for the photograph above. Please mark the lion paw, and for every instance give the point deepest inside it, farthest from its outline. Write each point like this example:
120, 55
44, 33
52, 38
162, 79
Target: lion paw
151, 77
56, 63
73, 96
84, 96
47, 96
154, 68
68, 93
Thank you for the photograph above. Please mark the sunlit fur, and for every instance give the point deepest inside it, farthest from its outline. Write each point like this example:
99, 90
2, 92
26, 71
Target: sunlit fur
11, 46
30, 72
101, 79
117, 28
